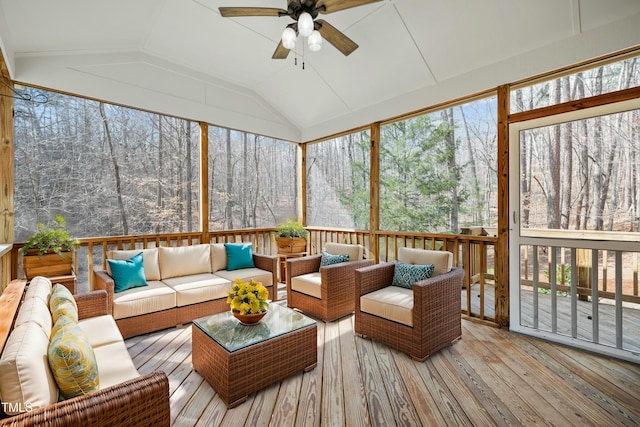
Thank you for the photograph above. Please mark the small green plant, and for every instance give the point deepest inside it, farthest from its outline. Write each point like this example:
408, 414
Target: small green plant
291, 228
53, 238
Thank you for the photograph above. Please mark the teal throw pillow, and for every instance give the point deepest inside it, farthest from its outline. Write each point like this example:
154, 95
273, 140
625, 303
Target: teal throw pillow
239, 255
127, 273
329, 259
405, 275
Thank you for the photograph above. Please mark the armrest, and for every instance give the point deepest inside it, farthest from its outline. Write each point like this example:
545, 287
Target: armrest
92, 304
438, 298
374, 277
303, 265
337, 274
102, 281
268, 263
140, 401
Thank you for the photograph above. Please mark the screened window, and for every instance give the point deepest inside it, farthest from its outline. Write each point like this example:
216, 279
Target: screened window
438, 170
606, 78
109, 170
338, 182
252, 180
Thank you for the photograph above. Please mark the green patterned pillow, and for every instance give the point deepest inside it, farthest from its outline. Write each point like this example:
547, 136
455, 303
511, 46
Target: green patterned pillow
329, 259
72, 361
405, 275
62, 303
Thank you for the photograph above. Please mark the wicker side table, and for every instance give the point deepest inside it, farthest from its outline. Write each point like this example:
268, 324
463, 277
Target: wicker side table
237, 360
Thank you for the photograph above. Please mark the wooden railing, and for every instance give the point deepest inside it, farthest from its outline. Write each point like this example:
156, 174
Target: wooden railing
473, 253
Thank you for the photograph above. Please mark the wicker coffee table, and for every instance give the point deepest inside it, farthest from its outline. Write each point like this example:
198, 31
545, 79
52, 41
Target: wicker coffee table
237, 360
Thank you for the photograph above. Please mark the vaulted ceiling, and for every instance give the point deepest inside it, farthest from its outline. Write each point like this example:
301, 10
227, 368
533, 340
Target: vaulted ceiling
181, 57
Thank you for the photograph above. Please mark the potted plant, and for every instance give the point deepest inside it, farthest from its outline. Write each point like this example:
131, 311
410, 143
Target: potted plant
291, 237
248, 301
49, 251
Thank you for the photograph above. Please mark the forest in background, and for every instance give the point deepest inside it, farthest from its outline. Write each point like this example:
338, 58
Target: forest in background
112, 170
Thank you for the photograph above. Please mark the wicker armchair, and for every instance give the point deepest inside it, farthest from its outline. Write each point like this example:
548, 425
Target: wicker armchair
417, 321
325, 292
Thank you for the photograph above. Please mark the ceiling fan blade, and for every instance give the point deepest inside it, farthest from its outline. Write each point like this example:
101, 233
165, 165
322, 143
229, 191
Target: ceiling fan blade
281, 52
331, 6
230, 12
331, 34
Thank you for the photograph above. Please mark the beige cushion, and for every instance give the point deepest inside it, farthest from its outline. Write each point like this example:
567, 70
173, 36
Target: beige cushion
146, 299
114, 364
184, 260
218, 257
100, 330
198, 288
35, 310
257, 274
149, 261
309, 284
355, 252
25, 377
392, 303
39, 287
442, 260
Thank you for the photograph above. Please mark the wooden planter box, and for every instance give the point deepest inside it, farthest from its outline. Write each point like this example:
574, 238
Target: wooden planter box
291, 245
50, 264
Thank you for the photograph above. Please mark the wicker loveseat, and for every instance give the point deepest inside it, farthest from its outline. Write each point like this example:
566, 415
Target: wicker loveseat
184, 283
27, 387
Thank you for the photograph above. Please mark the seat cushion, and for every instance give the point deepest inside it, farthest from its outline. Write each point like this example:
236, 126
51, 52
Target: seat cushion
392, 303
39, 287
355, 252
35, 310
257, 274
72, 361
442, 260
309, 284
134, 302
218, 257
25, 376
184, 260
198, 288
100, 330
149, 261
114, 364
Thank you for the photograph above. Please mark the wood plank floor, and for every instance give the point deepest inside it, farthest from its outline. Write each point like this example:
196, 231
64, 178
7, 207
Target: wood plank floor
489, 377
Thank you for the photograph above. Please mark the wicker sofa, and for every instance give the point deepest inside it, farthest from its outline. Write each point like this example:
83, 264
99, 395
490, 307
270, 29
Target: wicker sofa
184, 283
28, 390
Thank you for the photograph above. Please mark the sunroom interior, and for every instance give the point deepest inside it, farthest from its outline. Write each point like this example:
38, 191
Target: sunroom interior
477, 100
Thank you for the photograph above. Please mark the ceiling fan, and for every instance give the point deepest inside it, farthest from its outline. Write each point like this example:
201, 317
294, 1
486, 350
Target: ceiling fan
304, 13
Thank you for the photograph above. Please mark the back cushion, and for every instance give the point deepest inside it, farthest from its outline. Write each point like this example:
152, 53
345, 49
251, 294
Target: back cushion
218, 257
25, 378
442, 260
39, 287
184, 260
36, 311
149, 261
355, 252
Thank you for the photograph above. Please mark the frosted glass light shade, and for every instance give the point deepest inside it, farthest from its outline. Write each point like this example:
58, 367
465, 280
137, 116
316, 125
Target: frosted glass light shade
315, 41
305, 24
289, 38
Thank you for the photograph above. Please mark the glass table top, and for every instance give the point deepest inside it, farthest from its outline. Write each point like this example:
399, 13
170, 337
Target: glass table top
227, 331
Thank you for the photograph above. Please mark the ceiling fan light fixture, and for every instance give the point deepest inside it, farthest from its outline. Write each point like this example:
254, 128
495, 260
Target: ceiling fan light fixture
315, 41
305, 24
289, 38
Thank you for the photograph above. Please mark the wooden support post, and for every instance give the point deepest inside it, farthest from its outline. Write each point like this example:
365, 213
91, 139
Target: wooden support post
374, 191
204, 181
302, 184
6, 171
502, 246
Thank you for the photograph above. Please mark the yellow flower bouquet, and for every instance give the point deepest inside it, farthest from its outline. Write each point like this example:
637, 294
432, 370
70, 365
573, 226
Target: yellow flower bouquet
248, 298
